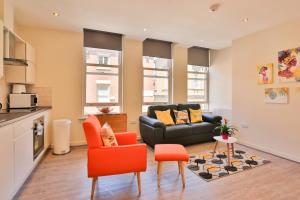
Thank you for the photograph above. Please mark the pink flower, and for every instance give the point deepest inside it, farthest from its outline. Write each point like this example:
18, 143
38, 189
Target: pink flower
225, 121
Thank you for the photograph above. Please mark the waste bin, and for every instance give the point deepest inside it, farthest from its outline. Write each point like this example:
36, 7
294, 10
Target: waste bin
61, 136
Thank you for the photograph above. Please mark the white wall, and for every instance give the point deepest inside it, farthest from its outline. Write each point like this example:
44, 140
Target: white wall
220, 82
179, 55
273, 128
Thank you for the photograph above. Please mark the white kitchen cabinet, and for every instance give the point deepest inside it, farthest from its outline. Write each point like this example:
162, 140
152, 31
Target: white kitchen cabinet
6, 162
23, 147
30, 53
16, 153
1, 48
22, 74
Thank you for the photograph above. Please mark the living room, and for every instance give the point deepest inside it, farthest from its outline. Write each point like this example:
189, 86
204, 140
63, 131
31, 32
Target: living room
235, 59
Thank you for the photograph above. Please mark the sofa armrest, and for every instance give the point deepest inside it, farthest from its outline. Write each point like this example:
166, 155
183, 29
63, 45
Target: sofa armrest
126, 138
152, 122
117, 160
214, 119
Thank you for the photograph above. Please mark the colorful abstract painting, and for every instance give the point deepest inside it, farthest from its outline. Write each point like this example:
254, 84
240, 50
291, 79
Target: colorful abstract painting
265, 74
276, 95
289, 65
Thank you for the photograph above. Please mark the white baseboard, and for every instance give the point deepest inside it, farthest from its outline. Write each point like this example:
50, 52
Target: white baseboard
271, 151
77, 143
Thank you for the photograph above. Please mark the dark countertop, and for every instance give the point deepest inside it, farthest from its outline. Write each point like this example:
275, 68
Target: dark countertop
11, 117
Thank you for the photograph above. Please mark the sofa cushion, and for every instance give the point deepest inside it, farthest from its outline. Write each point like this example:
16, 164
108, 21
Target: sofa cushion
195, 115
181, 117
164, 117
203, 127
182, 130
152, 109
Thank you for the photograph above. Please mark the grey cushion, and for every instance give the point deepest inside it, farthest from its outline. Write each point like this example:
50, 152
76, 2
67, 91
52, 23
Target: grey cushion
182, 130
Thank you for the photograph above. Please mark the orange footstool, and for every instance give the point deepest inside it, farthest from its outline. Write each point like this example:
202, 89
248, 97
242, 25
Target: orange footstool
170, 152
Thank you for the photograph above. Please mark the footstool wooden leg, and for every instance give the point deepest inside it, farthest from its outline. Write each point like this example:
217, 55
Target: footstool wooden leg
182, 173
215, 148
158, 173
179, 167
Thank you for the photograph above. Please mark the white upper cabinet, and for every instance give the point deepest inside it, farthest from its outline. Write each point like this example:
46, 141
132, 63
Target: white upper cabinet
22, 74
30, 53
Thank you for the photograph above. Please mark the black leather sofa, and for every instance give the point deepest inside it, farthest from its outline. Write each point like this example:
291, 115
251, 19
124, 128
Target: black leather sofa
155, 132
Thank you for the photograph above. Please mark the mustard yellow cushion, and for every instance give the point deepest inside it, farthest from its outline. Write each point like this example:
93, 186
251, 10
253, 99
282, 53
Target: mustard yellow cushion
182, 117
196, 115
164, 117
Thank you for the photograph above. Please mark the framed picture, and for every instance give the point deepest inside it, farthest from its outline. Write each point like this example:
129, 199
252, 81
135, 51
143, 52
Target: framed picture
277, 95
265, 74
289, 65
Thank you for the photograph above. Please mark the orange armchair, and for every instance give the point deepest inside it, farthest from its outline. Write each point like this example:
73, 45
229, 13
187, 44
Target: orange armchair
102, 161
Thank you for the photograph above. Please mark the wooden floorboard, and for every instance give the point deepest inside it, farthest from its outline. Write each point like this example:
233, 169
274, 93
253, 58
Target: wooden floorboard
65, 177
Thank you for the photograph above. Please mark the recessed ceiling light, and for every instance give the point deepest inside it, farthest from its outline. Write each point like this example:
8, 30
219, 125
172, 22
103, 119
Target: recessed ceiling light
145, 29
56, 14
245, 20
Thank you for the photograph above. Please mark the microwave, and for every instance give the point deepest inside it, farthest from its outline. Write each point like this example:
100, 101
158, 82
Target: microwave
22, 100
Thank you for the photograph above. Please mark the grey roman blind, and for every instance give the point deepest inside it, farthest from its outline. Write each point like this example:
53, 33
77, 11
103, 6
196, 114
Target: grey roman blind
157, 48
102, 40
198, 56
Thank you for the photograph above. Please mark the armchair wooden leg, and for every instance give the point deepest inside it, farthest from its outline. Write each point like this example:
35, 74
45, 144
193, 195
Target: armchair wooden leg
134, 173
158, 173
179, 167
182, 173
94, 182
139, 182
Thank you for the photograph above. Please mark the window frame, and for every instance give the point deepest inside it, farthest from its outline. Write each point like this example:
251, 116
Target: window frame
206, 101
170, 81
120, 79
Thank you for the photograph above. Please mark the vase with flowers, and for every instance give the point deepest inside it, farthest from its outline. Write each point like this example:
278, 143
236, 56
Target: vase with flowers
226, 130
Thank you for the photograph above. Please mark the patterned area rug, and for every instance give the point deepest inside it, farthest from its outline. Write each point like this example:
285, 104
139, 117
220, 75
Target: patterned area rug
211, 168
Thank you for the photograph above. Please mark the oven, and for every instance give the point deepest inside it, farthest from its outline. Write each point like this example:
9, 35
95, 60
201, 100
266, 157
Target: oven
38, 136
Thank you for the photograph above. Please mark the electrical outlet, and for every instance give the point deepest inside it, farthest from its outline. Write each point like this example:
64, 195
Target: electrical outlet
244, 126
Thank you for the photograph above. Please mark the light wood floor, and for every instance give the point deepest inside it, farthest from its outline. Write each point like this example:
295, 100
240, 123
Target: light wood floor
64, 177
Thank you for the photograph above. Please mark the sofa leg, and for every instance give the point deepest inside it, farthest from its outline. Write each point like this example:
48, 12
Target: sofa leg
139, 181
179, 167
94, 182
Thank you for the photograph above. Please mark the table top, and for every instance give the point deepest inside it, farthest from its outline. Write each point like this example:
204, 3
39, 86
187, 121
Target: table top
230, 140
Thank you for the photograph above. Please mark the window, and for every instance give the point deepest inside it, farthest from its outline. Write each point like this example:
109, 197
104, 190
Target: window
157, 81
197, 75
103, 79
198, 85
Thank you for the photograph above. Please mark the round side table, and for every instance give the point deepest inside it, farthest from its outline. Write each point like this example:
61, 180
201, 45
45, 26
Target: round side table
229, 142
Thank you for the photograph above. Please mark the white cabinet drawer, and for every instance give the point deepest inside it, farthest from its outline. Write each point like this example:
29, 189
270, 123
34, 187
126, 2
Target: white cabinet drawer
22, 126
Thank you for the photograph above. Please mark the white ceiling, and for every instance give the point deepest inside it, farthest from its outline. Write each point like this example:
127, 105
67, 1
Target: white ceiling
188, 22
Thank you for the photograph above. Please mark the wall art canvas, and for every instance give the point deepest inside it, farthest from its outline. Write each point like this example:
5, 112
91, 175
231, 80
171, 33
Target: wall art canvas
276, 95
289, 65
265, 74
